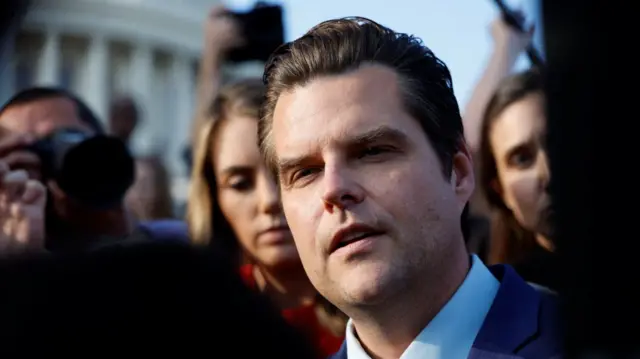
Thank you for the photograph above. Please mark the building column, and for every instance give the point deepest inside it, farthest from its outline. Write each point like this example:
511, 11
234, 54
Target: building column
96, 93
49, 61
7, 71
181, 126
141, 71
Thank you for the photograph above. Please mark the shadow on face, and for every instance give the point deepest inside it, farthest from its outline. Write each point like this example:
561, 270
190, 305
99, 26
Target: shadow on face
517, 140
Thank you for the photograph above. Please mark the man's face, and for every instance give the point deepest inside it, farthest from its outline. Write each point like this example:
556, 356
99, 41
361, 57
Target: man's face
37, 119
42, 117
362, 188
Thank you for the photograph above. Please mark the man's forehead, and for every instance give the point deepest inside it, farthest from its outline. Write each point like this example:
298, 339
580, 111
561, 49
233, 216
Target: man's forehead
335, 108
41, 116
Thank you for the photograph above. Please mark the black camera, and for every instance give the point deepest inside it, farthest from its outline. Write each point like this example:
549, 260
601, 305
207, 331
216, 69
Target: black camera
263, 31
96, 170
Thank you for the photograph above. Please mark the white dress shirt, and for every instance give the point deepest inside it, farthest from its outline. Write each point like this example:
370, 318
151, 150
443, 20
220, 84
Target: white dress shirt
451, 333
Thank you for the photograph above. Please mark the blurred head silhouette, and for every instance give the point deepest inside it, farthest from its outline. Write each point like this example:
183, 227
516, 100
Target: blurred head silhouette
151, 298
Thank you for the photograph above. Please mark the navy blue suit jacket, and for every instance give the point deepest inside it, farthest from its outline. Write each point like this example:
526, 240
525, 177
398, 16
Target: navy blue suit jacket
522, 323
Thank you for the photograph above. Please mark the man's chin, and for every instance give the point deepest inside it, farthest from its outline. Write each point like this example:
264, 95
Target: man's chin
366, 284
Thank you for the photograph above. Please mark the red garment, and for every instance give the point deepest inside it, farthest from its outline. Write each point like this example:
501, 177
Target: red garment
304, 318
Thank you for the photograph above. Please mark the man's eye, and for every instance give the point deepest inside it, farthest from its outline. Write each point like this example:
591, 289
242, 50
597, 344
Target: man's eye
374, 151
303, 173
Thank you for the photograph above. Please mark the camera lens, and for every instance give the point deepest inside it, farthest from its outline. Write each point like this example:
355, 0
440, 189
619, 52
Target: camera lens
97, 171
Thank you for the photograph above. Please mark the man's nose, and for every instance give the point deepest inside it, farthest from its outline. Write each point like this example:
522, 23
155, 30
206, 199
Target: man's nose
45, 128
341, 188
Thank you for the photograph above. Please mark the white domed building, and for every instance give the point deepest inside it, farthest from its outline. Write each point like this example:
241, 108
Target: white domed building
99, 49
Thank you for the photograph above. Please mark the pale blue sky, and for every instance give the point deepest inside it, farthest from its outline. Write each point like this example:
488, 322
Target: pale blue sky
456, 30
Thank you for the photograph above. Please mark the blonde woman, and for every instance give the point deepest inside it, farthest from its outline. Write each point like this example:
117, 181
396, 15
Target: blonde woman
234, 205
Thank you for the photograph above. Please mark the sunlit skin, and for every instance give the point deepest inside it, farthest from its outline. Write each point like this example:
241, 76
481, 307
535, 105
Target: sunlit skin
349, 156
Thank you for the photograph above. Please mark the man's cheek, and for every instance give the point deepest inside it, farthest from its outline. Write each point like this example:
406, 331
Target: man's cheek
298, 212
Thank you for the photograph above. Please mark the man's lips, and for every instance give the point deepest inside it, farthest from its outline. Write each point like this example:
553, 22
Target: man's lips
351, 234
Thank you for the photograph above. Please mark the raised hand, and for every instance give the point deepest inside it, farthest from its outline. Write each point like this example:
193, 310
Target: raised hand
22, 212
221, 32
508, 37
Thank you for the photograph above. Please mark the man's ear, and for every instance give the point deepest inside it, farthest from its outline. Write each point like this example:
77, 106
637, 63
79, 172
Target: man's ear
462, 175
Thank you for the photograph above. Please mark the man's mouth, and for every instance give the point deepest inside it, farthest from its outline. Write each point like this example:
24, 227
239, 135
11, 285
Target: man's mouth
352, 234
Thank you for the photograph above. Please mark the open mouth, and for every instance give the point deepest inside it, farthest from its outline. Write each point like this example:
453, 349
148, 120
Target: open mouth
346, 242
351, 235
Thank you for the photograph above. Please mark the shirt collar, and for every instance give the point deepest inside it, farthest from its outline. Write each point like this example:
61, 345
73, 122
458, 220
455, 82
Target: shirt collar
451, 333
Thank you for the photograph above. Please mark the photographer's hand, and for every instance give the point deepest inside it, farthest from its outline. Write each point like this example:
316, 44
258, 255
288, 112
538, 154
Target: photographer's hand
12, 153
22, 212
509, 44
510, 40
221, 34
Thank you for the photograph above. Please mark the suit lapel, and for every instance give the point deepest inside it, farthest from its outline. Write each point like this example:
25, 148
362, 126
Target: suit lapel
510, 324
512, 320
486, 354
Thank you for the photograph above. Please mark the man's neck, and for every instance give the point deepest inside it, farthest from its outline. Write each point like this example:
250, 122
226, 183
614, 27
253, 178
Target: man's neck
287, 287
387, 330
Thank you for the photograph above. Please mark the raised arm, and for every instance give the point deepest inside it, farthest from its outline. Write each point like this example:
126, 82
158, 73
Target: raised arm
508, 45
221, 34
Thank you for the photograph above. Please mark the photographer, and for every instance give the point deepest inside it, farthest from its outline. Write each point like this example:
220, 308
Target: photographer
94, 212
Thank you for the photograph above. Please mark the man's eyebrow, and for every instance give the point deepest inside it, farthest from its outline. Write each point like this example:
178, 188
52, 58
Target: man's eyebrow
387, 133
287, 164
378, 134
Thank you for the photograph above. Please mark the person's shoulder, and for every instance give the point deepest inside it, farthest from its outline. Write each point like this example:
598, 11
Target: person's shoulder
165, 230
529, 313
540, 298
543, 290
549, 326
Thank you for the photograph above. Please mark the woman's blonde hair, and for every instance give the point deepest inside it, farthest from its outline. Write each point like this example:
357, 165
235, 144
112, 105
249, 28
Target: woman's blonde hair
204, 217
207, 225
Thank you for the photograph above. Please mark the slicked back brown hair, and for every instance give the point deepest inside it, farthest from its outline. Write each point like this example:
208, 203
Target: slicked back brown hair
342, 45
